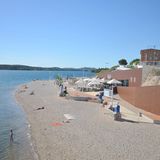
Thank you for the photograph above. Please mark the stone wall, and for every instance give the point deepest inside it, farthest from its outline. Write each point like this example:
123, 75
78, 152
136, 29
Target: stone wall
147, 69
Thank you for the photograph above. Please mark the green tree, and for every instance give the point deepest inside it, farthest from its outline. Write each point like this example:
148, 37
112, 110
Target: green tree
59, 79
123, 62
135, 61
101, 69
114, 67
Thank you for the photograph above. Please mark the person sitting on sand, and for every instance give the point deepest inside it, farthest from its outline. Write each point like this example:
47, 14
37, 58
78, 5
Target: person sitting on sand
65, 92
117, 108
40, 108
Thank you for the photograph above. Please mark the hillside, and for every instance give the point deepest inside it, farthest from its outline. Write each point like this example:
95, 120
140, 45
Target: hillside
24, 67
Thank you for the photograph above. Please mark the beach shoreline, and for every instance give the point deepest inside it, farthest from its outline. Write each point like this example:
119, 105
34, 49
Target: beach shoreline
29, 131
92, 134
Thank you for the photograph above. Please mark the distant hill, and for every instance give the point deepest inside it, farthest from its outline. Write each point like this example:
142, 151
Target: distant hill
29, 68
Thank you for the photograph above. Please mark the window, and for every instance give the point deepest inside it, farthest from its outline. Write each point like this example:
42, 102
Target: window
125, 83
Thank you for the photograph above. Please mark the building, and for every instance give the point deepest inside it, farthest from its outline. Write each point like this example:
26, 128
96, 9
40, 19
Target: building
132, 78
150, 57
135, 77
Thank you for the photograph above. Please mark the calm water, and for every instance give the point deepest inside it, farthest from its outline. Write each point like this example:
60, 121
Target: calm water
13, 117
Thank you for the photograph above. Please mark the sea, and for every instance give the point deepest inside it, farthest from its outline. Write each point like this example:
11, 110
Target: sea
12, 116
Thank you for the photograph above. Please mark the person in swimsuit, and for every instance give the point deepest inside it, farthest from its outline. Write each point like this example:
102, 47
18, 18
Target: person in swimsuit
11, 135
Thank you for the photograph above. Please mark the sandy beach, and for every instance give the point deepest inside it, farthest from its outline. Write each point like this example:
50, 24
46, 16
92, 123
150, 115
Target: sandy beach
91, 134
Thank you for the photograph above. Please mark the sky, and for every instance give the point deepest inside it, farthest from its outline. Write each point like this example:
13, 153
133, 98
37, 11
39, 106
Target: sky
77, 33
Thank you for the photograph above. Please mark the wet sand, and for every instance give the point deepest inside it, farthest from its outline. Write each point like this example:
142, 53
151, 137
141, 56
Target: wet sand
92, 134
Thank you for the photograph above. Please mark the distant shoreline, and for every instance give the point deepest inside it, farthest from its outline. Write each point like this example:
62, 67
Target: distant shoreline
31, 68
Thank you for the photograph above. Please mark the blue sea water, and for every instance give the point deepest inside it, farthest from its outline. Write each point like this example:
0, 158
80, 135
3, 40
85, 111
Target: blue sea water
13, 117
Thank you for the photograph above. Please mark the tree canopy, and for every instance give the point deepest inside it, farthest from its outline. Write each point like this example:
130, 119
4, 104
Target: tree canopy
101, 69
135, 61
114, 67
122, 62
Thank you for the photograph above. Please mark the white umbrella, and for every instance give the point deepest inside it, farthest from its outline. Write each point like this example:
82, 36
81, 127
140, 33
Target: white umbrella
95, 82
87, 80
103, 80
114, 81
81, 83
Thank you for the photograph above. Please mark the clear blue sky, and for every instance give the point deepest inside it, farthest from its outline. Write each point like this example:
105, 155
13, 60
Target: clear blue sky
77, 33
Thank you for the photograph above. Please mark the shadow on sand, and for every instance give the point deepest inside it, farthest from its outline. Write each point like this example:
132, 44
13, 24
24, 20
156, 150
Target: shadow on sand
126, 120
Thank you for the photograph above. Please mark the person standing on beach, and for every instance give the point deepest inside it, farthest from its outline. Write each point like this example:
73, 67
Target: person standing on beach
101, 94
61, 88
11, 135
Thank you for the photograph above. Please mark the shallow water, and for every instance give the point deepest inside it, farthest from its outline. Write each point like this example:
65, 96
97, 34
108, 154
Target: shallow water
13, 117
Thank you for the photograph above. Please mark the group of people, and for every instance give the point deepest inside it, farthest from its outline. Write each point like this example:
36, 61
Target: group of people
63, 90
115, 109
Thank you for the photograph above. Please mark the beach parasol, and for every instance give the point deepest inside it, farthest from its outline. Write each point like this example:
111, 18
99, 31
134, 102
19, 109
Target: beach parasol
103, 80
114, 81
87, 80
95, 82
81, 83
